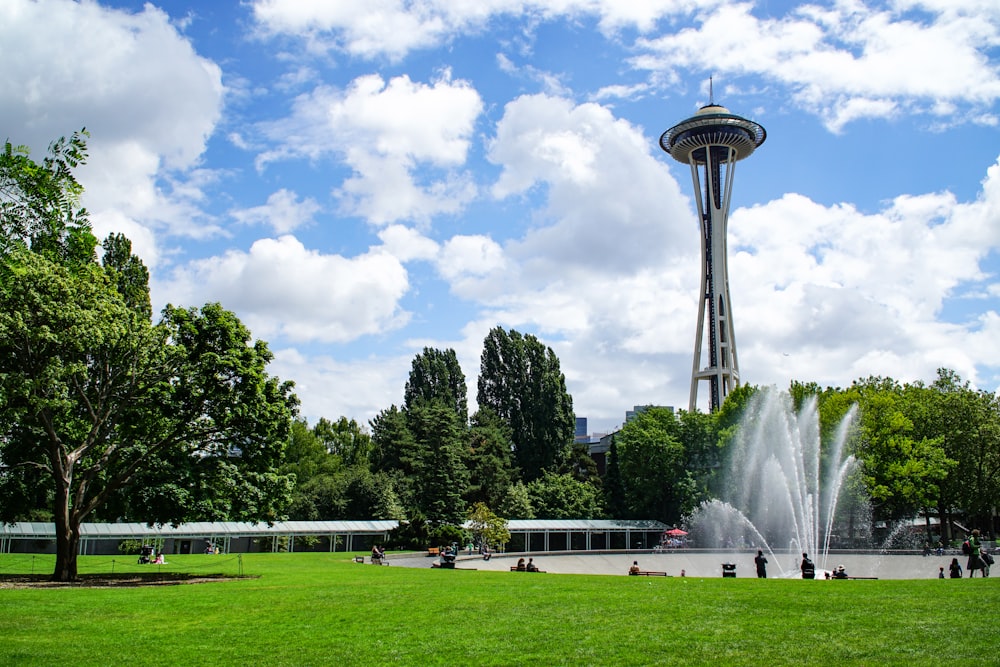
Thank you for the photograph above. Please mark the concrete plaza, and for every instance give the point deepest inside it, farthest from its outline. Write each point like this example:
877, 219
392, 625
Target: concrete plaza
698, 563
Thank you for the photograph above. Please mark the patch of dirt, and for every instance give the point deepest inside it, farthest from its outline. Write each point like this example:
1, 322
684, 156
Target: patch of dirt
130, 580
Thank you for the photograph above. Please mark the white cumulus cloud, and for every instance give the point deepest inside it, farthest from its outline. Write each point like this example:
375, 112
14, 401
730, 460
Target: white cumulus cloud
281, 288
392, 135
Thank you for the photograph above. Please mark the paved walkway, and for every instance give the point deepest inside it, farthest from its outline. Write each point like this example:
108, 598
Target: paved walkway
701, 564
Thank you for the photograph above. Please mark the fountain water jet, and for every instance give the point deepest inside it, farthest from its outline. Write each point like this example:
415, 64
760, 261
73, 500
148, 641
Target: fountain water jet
780, 492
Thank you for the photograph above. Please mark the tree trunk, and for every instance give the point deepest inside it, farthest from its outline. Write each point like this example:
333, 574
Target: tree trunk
67, 537
945, 518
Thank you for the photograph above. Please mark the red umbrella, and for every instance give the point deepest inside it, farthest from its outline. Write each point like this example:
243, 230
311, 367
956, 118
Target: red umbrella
676, 532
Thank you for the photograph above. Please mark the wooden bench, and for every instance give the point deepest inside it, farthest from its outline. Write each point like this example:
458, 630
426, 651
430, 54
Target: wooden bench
434, 551
649, 573
379, 561
513, 568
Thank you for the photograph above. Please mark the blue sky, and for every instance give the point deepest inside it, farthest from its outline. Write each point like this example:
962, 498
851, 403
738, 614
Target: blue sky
360, 180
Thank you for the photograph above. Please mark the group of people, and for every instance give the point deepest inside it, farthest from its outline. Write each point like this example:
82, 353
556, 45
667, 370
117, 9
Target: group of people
839, 573
151, 555
526, 567
806, 567
378, 553
979, 557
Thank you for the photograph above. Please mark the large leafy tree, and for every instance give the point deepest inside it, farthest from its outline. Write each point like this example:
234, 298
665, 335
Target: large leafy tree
904, 464
652, 462
112, 414
520, 381
555, 496
333, 479
968, 424
164, 423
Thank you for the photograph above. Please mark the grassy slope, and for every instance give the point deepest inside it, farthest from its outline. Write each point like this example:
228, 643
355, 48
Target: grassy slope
321, 609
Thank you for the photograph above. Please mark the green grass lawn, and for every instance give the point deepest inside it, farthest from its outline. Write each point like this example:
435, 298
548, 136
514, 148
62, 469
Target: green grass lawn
324, 609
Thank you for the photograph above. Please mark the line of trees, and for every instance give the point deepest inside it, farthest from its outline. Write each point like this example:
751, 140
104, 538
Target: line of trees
428, 462
928, 449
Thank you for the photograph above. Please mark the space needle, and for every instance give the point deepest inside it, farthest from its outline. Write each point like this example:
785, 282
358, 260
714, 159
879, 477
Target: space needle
712, 141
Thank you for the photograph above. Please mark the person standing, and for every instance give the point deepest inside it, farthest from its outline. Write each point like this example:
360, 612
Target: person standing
955, 570
761, 564
808, 567
975, 558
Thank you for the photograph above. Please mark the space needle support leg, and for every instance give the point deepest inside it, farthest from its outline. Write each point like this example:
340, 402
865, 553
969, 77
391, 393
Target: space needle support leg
703, 290
733, 361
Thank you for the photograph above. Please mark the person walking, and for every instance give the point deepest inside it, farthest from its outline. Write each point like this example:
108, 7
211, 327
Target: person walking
761, 564
975, 557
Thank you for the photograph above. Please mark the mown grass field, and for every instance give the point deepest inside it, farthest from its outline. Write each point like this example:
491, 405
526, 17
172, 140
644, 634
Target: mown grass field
324, 609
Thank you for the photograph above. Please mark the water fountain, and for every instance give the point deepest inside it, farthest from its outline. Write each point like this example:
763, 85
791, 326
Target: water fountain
781, 489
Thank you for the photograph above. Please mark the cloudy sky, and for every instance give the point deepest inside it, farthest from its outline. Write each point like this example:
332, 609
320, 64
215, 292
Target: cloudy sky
359, 180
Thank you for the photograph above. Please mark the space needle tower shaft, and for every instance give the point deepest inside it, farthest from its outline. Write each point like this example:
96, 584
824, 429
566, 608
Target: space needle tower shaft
711, 142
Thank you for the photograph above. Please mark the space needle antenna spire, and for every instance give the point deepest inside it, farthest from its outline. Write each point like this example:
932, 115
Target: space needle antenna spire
711, 142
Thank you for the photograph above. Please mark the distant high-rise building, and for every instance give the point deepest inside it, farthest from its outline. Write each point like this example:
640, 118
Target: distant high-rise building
711, 142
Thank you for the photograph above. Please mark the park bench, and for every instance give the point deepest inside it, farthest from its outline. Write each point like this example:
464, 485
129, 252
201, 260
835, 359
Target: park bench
434, 551
379, 561
513, 568
650, 573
